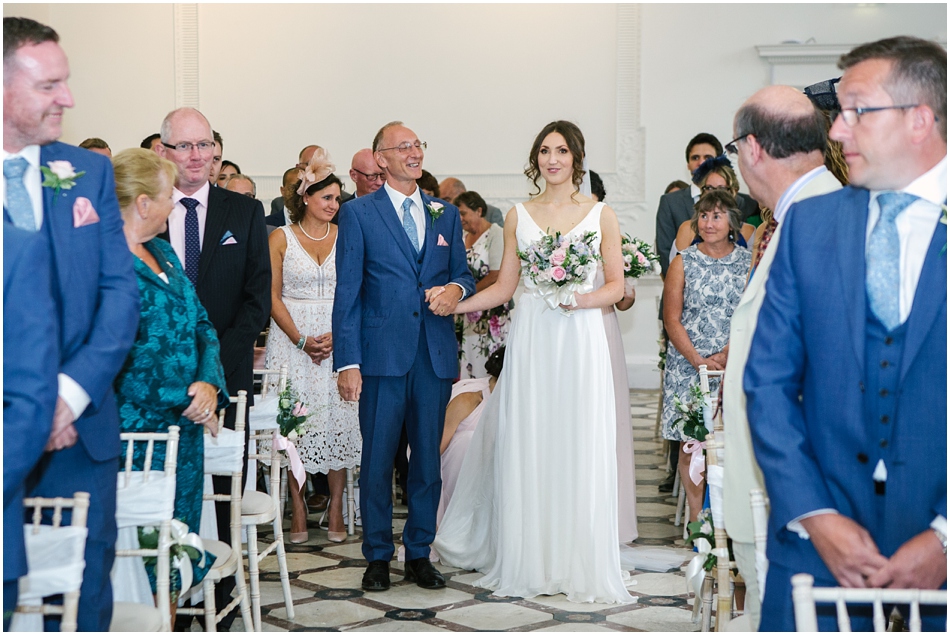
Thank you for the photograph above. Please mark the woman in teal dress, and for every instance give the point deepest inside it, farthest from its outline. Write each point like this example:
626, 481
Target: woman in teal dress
173, 375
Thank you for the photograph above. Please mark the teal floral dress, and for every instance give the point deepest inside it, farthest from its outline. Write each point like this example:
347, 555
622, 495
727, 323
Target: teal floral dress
176, 345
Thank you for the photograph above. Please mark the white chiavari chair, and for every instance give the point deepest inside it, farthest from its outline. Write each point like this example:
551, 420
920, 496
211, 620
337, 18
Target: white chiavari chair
55, 554
805, 596
224, 455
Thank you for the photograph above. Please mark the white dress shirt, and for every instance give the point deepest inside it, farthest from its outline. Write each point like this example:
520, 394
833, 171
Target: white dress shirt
176, 220
69, 389
417, 209
32, 180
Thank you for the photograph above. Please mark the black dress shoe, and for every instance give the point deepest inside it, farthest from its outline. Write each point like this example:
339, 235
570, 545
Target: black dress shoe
667, 485
424, 574
376, 576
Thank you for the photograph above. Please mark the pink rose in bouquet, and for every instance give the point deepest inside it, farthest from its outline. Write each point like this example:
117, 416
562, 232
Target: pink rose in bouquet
558, 274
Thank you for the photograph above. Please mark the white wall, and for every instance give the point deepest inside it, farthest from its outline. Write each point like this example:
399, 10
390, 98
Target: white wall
475, 81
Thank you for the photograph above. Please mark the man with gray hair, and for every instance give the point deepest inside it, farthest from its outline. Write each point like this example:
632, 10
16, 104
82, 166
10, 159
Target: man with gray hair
847, 375
242, 184
451, 187
781, 139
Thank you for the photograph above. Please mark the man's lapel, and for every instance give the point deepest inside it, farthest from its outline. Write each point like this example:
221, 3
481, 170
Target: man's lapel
850, 230
391, 219
430, 245
57, 217
214, 228
930, 296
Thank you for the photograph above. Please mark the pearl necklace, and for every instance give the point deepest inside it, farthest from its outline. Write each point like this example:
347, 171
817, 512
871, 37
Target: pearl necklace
300, 225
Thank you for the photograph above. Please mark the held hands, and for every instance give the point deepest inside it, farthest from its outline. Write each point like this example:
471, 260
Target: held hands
202, 408
319, 348
350, 384
716, 361
443, 300
848, 549
63, 434
919, 563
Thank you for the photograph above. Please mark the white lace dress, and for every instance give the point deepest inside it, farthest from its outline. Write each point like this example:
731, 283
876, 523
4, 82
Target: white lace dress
535, 504
331, 438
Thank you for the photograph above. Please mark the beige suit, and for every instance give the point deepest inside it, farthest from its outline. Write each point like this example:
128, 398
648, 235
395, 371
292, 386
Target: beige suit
742, 472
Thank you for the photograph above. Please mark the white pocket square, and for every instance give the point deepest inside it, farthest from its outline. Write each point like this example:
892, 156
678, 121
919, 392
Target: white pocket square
442, 242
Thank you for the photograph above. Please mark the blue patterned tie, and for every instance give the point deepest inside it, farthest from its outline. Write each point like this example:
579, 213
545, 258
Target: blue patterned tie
19, 203
409, 224
883, 259
192, 239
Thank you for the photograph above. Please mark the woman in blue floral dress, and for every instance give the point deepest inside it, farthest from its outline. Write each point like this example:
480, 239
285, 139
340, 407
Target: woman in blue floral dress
483, 332
173, 374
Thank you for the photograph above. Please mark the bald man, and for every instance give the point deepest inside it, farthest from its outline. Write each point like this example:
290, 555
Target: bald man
366, 174
451, 187
782, 163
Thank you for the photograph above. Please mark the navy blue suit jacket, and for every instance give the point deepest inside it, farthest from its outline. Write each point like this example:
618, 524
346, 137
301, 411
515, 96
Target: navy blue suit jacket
810, 342
95, 291
30, 364
379, 309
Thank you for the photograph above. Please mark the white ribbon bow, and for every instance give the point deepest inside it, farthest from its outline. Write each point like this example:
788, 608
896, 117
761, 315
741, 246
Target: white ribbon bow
554, 296
181, 536
296, 465
694, 570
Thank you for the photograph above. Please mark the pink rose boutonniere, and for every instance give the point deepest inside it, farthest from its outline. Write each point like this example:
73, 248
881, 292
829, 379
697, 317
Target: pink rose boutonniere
436, 210
60, 175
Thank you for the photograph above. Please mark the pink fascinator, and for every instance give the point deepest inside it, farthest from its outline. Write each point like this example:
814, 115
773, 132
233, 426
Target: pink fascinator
319, 168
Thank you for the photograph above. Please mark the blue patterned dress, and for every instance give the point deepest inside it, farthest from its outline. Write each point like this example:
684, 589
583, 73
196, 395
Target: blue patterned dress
176, 345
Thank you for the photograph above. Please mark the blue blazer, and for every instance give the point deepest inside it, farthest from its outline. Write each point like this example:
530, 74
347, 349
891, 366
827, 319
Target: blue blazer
379, 309
30, 363
810, 342
95, 291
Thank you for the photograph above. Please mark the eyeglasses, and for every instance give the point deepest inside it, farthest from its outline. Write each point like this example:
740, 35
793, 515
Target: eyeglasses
710, 188
186, 146
852, 116
731, 146
405, 147
378, 176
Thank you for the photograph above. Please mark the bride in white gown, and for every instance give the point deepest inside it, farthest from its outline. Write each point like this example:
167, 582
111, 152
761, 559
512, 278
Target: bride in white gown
535, 507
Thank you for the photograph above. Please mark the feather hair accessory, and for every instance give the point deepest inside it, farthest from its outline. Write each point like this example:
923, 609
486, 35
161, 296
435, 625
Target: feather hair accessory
708, 166
319, 168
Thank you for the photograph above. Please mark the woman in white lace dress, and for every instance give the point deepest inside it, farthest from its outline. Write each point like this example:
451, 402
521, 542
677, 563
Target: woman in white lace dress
303, 263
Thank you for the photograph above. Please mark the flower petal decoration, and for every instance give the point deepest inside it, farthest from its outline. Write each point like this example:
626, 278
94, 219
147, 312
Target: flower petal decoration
319, 168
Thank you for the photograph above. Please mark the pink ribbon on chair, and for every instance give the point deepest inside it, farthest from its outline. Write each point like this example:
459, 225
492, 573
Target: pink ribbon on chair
296, 465
697, 462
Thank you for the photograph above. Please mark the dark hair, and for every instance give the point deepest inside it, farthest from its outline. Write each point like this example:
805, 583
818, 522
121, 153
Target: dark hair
919, 74
428, 182
234, 165
718, 199
295, 204
781, 135
18, 32
575, 143
597, 186
496, 362
217, 138
711, 165
147, 141
704, 137
473, 201
287, 173
676, 185
94, 142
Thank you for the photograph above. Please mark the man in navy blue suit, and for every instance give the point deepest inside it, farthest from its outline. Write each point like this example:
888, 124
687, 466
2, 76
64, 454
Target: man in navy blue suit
94, 288
30, 362
395, 354
847, 376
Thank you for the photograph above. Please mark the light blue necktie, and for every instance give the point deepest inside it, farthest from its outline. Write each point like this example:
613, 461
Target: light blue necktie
409, 224
192, 239
883, 260
19, 203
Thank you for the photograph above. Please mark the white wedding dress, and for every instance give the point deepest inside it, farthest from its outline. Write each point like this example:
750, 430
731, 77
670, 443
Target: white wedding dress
535, 506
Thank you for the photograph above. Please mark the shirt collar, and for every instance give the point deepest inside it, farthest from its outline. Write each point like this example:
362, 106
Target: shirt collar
932, 184
694, 191
398, 197
30, 153
201, 195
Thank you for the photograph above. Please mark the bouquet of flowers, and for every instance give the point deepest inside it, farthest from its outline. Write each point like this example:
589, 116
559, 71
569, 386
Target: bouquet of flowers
702, 530
556, 267
692, 423
291, 413
638, 258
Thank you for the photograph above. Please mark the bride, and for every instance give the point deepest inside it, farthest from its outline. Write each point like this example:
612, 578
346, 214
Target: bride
535, 506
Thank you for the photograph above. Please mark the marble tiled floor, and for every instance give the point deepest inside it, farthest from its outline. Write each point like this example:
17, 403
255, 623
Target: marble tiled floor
325, 578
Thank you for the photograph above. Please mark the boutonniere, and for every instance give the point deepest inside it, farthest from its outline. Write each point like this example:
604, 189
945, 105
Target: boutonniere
60, 175
436, 210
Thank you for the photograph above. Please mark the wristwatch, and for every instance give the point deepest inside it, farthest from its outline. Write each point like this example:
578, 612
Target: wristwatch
942, 537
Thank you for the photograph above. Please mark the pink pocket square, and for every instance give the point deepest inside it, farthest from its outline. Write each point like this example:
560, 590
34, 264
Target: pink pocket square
230, 241
441, 242
84, 213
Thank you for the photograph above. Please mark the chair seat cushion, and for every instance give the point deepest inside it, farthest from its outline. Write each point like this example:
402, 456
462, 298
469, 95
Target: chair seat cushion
740, 624
255, 503
130, 617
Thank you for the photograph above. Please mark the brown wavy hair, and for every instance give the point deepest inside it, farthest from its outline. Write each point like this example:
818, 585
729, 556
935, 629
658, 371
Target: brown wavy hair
295, 202
575, 143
